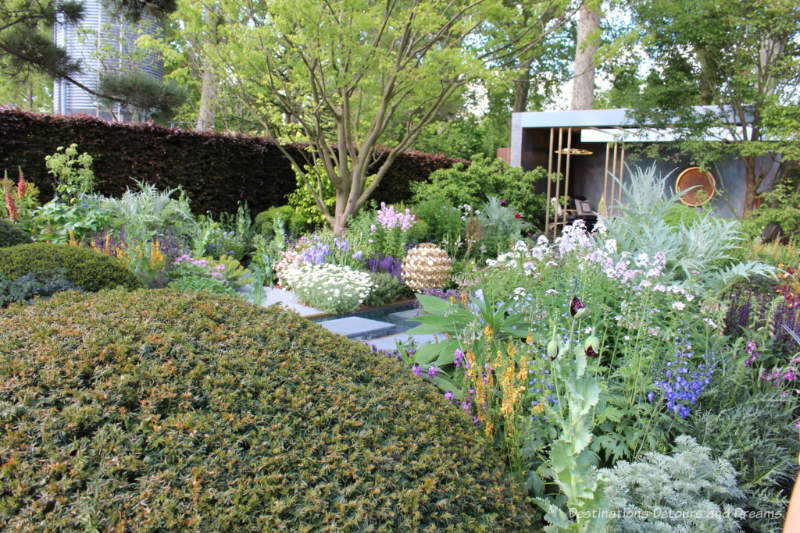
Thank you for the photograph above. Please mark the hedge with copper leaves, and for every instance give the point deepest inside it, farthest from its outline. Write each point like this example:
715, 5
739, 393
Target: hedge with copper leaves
217, 170
165, 411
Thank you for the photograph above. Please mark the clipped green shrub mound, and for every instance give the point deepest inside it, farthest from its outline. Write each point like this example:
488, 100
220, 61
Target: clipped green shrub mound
160, 410
11, 234
84, 267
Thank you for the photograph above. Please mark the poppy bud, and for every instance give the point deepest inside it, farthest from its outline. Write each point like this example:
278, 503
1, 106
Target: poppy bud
552, 349
591, 346
576, 308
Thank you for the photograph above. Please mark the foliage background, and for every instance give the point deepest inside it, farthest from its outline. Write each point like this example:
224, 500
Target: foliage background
216, 170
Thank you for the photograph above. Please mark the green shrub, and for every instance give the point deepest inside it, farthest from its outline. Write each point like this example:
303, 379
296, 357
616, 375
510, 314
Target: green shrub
781, 206
11, 234
486, 177
441, 219
172, 411
264, 222
85, 268
386, 289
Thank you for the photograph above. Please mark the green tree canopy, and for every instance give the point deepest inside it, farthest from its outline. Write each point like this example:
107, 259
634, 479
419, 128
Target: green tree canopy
339, 73
740, 58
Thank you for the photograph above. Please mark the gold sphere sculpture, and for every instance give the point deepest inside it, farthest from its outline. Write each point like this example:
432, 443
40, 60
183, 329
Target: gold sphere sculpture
426, 266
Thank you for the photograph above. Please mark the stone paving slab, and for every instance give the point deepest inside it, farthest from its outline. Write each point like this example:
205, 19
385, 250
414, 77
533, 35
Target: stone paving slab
354, 327
405, 315
390, 343
288, 301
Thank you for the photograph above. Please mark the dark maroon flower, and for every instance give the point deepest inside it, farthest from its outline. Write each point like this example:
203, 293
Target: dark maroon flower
576, 306
590, 352
504, 203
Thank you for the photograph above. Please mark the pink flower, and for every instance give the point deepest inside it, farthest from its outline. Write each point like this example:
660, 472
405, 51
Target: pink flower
11, 206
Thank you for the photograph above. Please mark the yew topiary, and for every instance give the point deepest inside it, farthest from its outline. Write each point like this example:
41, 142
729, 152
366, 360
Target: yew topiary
11, 234
161, 410
86, 268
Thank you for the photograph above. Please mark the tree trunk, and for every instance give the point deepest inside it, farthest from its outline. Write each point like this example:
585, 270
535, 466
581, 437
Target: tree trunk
522, 87
751, 185
585, 49
206, 117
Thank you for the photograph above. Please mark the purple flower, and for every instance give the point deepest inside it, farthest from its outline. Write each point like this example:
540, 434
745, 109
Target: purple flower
575, 306
416, 369
448, 396
358, 255
432, 371
458, 358
465, 405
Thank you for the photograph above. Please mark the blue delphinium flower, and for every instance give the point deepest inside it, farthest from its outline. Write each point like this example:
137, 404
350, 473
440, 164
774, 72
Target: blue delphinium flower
683, 382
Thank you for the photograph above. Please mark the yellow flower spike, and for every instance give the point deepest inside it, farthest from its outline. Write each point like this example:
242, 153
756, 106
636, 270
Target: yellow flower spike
529, 339
522, 375
452, 298
107, 244
511, 349
463, 298
539, 407
471, 358
488, 332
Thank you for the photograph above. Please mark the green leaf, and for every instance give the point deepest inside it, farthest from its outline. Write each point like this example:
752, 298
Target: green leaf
434, 305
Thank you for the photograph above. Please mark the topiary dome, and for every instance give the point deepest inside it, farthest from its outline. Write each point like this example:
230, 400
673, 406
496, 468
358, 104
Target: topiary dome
86, 268
160, 410
11, 234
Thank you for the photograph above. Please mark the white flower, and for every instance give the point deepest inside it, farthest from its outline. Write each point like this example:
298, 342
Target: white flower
679, 306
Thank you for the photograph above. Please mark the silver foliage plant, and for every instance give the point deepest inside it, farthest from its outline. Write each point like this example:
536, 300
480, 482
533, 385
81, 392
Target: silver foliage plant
699, 254
687, 491
149, 213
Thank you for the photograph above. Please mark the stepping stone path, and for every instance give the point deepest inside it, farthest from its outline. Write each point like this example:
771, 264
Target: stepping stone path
383, 335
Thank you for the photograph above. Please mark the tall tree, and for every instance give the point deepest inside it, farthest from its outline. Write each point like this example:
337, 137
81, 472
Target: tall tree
742, 60
586, 46
529, 43
26, 33
340, 73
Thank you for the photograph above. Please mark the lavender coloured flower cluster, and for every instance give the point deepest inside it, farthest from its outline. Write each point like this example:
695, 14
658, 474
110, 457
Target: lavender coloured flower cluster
388, 218
216, 271
683, 382
386, 263
316, 253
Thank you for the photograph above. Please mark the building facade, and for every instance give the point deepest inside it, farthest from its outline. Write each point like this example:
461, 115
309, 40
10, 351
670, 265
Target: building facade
103, 42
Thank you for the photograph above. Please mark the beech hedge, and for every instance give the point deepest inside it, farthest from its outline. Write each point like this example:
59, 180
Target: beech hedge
156, 410
216, 169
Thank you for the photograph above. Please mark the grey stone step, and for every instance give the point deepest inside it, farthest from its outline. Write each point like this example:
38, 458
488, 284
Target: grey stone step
405, 315
389, 343
357, 328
